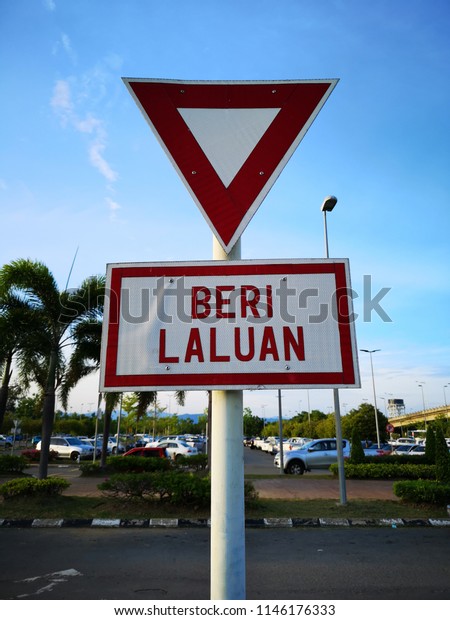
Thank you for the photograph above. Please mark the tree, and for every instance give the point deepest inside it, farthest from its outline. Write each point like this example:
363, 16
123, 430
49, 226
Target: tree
253, 425
111, 401
442, 458
363, 418
356, 451
58, 314
430, 444
19, 336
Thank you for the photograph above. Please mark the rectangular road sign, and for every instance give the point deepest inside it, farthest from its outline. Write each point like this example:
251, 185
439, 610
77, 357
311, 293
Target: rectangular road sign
228, 325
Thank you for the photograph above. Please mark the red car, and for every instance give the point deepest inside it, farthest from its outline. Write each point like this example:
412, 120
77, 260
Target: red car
158, 453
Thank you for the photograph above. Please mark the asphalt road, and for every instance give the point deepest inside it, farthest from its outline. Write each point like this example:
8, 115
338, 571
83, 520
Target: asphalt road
285, 564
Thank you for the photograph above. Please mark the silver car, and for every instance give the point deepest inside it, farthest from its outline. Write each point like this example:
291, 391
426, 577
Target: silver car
317, 454
70, 447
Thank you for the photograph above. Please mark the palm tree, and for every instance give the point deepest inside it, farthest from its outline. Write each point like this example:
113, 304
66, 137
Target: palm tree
85, 358
59, 314
19, 337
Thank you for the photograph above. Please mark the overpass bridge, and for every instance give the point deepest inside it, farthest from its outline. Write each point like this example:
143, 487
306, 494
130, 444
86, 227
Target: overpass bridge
419, 418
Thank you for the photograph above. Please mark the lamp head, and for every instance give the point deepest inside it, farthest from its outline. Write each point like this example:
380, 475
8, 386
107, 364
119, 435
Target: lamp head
329, 203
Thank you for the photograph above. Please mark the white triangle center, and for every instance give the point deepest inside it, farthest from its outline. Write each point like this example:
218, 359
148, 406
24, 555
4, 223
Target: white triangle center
228, 136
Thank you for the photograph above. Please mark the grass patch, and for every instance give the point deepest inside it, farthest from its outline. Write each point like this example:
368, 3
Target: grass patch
77, 507
74, 507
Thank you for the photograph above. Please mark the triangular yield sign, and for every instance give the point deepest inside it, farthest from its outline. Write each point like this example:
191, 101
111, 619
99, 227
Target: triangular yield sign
229, 141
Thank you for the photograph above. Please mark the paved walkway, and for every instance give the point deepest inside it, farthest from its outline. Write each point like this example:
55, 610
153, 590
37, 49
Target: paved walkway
283, 487
302, 487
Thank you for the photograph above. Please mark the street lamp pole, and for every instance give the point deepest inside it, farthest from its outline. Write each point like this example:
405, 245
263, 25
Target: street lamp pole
445, 398
423, 402
374, 392
328, 205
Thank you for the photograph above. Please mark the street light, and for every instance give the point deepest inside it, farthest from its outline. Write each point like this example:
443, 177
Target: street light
374, 393
445, 399
423, 402
328, 205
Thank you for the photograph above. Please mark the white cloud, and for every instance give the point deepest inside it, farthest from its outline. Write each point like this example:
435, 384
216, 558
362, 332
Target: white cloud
97, 160
61, 101
62, 104
67, 46
49, 5
113, 208
88, 124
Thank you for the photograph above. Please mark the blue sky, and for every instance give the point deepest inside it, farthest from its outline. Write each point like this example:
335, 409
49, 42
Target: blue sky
81, 169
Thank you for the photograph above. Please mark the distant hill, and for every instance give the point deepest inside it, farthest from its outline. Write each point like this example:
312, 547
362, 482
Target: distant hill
184, 416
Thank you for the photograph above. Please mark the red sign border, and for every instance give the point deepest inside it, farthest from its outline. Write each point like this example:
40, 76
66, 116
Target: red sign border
111, 381
228, 210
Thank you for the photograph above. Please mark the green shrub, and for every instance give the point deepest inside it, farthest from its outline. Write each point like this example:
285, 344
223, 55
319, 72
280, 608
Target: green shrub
88, 468
10, 463
357, 451
174, 487
189, 489
430, 445
196, 462
383, 470
129, 486
23, 487
423, 491
442, 458
251, 495
136, 464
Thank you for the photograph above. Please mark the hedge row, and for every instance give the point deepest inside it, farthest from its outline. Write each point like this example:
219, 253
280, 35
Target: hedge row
12, 464
140, 464
26, 487
423, 491
174, 487
387, 471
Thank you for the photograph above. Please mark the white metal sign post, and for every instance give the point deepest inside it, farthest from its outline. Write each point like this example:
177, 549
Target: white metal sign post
227, 483
229, 325
236, 324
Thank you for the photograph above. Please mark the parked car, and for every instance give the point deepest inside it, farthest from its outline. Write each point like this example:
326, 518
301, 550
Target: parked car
403, 448
157, 440
196, 441
269, 445
140, 440
317, 454
373, 450
5, 442
70, 447
156, 453
112, 446
293, 443
418, 449
91, 442
176, 448
401, 441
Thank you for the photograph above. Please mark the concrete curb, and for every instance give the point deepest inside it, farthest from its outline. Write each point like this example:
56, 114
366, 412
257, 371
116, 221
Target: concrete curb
268, 523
